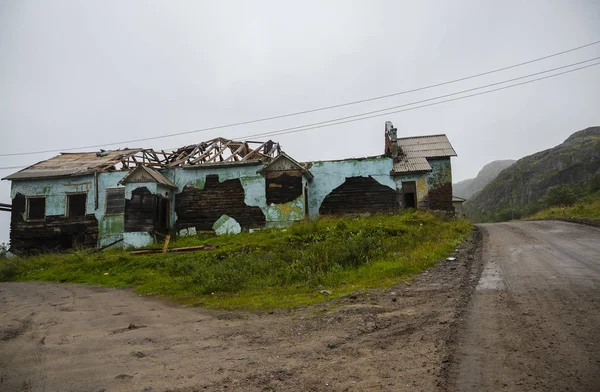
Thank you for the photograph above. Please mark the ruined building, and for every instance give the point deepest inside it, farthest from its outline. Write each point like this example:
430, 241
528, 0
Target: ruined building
128, 197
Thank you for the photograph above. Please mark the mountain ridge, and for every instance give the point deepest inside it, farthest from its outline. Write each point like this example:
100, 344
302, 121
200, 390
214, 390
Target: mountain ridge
468, 188
519, 189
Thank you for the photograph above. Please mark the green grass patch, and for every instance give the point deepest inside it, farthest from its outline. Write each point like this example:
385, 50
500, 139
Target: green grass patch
587, 208
268, 268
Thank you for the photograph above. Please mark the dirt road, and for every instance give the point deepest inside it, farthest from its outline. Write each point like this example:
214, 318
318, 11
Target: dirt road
61, 337
534, 320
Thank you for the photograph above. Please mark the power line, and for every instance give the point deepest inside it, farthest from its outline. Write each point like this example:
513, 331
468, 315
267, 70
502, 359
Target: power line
310, 110
309, 127
428, 99
283, 132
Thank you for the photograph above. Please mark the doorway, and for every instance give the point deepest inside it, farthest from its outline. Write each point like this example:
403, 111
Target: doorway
409, 189
162, 215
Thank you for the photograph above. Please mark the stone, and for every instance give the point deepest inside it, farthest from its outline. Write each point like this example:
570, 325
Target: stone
451, 258
332, 345
190, 231
326, 292
226, 225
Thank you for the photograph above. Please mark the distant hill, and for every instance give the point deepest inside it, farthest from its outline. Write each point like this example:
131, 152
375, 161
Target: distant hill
468, 188
519, 190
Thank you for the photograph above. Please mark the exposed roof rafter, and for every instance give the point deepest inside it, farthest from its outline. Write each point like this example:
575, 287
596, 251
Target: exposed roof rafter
218, 151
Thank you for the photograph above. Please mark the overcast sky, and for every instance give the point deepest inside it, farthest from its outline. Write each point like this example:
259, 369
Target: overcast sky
76, 73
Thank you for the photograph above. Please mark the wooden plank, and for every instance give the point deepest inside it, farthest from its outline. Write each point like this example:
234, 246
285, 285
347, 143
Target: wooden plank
166, 245
184, 249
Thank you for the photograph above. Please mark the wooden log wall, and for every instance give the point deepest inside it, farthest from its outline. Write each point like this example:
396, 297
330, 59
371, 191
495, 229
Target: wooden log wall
141, 211
440, 198
360, 195
200, 208
54, 233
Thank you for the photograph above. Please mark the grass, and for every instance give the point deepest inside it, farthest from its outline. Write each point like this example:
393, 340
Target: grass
587, 208
268, 268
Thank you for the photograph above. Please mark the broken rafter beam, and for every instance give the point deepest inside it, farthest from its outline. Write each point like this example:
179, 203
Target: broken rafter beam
204, 155
219, 154
235, 155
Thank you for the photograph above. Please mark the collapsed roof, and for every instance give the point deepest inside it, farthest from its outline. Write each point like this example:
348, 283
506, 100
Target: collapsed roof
215, 152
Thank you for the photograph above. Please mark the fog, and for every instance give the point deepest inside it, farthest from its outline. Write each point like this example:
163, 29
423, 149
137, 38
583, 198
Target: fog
84, 73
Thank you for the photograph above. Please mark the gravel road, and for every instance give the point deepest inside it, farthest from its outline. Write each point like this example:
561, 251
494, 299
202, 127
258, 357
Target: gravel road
63, 337
534, 320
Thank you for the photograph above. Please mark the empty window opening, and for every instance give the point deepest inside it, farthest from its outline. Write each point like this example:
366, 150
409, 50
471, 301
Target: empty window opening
36, 208
76, 205
283, 186
115, 201
410, 199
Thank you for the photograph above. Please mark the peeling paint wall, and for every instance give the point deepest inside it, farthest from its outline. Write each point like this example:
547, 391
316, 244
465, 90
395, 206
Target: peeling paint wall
329, 175
110, 227
254, 187
201, 208
439, 182
55, 190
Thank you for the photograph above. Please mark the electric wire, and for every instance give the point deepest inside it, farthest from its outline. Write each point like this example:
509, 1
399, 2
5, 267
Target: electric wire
310, 127
310, 110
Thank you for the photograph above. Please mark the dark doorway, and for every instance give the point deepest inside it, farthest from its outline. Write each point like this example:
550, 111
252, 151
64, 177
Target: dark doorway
409, 189
162, 217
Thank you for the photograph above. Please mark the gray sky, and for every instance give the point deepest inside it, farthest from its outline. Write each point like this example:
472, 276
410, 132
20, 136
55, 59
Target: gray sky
75, 73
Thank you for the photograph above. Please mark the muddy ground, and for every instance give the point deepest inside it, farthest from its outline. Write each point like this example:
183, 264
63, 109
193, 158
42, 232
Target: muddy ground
533, 323
62, 337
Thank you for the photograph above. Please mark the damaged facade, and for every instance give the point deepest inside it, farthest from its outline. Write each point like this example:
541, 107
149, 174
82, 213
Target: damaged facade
129, 197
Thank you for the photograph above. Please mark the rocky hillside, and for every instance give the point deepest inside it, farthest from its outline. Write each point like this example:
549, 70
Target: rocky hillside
468, 188
519, 190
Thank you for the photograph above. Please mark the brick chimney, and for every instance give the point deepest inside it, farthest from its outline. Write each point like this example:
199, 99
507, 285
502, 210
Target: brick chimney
391, 136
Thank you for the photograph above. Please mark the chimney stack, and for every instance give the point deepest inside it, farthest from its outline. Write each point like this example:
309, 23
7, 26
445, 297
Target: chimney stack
391, 138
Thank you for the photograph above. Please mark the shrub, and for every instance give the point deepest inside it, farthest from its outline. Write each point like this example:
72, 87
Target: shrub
561, 195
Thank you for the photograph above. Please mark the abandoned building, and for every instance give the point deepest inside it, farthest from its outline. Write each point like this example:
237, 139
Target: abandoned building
128, 197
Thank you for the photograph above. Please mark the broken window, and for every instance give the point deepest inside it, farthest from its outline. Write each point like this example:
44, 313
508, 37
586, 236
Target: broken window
115, 201
36, 208
76, 205
283, 186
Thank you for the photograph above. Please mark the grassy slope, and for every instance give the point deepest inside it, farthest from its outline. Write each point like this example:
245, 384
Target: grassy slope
588, 209
265, 269
518, 191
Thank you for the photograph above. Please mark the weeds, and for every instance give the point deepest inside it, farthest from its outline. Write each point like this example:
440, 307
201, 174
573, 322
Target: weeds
587, 208
267, 268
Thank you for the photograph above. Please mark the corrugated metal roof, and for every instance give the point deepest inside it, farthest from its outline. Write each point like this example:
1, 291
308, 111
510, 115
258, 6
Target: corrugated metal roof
434, 146
72, 164
418, 164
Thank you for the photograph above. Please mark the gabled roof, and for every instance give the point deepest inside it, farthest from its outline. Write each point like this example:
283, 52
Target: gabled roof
283, 156
414, 152
431, 146
147, 174
457, 198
